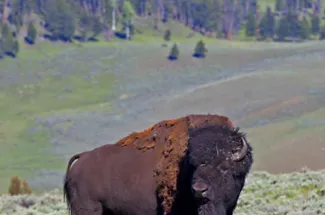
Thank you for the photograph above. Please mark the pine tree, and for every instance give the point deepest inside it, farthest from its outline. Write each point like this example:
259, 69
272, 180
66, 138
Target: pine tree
293, 23
322, 33
8, 41
283, 29
167, 35
200, 50
84, 25
280, 5
60, 20
315, 24
15, 47
174, 53
128, 14
1, 49
31, 33
250, 25
267, 24
97, 27
304, 29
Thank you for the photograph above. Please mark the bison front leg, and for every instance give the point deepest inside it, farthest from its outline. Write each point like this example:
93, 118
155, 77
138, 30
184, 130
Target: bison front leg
87, 208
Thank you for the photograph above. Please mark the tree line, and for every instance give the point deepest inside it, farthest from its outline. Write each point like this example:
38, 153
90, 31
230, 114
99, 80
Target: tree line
86, 19
293, 23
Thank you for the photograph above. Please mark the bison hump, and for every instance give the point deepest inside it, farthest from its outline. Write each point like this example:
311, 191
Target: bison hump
170, 139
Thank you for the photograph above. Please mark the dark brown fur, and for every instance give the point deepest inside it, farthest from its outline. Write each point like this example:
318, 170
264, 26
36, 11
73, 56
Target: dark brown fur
172, 136
153, 155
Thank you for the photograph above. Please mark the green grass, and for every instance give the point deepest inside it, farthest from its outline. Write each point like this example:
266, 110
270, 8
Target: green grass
23, 152
53, 79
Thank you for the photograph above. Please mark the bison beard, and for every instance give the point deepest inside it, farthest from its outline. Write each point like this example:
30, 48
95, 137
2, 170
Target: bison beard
165, 161
211, 209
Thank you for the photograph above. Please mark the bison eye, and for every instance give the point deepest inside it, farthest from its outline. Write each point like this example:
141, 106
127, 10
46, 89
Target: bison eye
203, 164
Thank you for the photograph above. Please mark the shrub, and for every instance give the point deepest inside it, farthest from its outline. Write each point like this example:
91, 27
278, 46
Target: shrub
31, 33
167, 35
174, 52
26, 189
322, 33
200, 50
315, 24
18, 186
14, 188
283, 29
304, 29
250, 25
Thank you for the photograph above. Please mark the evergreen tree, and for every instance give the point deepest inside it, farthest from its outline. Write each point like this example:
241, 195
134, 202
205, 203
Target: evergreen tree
174, 53
293, 23
267, 24
97, 27
200, 50
250, 25
280, 5
301, 4
89, 24
7, 40
15, 47
16, 14
60, 20
304, 29
128, 13
205, 14
31, 33
167, 35
283, 28
84, 25
322, 33
315, 24
288, 26
1, 49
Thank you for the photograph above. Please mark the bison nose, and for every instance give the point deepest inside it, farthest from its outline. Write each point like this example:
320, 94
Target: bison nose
200, 190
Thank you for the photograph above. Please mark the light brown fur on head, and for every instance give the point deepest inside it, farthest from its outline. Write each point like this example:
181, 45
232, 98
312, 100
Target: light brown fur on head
169, 139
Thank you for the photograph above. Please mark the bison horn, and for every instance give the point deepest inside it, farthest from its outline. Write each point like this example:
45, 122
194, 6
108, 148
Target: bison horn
240, 155
217, 149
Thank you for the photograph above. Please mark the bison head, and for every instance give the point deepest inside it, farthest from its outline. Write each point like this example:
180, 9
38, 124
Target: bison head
215, 153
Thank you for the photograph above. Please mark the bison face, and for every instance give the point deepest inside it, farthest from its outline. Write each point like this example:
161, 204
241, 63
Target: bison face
201, 185
207, 188
205, 182
211, 156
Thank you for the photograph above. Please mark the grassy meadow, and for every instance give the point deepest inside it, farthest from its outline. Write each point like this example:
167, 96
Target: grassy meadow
59, 99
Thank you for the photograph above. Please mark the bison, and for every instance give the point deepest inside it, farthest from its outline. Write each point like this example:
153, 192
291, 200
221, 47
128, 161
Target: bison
193, 165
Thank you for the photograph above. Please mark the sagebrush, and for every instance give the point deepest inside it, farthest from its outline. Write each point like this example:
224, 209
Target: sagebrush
263, 194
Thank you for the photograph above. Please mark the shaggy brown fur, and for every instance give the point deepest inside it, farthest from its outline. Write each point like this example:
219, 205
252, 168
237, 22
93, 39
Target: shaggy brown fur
169, 138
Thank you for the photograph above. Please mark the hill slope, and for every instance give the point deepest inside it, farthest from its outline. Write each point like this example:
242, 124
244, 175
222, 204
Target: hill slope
57, 100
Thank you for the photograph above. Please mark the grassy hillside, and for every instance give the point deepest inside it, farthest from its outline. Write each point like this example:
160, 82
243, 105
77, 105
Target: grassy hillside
59, 99
264, 194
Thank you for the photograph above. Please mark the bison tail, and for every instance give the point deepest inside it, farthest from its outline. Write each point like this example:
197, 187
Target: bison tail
67, 192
